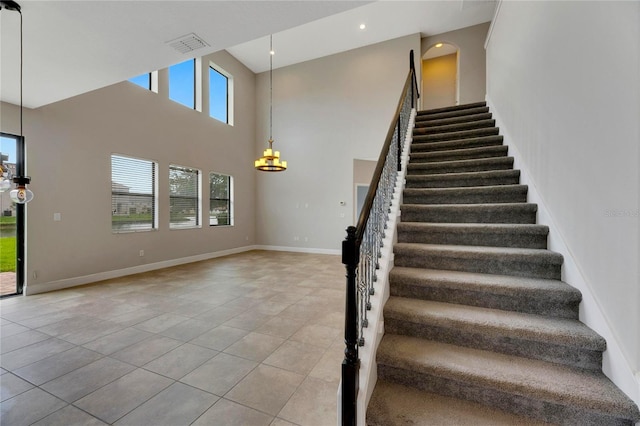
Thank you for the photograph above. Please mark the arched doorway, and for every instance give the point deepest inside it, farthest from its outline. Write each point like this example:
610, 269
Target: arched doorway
440, 76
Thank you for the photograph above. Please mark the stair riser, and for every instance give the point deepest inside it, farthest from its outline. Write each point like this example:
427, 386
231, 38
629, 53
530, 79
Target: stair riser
460, 167
486, 141
539, 304
482, 263
453, 215
495, 397
470, 238
469, 125
454, 120
517, 195
421, 138
459, 182
490, 152
463, 336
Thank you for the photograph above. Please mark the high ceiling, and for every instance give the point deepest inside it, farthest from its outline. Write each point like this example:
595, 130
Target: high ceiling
72, 47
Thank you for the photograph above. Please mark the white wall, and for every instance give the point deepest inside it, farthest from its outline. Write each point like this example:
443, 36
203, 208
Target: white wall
69, 145
326, 112
564, 79
471, 59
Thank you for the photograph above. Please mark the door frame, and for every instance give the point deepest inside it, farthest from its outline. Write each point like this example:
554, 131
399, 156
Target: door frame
20, 216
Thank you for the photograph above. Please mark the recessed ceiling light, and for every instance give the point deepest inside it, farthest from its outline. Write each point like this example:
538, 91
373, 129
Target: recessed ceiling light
439, 45
363, 26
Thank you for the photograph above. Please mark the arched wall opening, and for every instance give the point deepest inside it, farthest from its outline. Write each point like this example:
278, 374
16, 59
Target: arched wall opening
440, 76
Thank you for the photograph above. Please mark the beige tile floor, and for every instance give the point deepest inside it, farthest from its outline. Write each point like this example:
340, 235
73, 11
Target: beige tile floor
249, 339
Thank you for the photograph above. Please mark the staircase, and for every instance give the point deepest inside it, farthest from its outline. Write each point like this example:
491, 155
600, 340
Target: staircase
479, 329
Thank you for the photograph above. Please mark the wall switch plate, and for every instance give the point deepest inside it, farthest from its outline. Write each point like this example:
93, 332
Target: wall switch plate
57, 217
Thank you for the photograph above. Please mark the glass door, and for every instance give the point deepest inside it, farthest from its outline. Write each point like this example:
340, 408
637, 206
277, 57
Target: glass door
11, 218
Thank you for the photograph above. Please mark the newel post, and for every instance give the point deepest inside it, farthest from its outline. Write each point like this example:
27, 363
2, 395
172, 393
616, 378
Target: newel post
351, 363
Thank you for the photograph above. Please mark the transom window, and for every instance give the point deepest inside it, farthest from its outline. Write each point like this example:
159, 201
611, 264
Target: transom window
182, 83
143, 81
184, 197
220, 199
220, 94
133, 194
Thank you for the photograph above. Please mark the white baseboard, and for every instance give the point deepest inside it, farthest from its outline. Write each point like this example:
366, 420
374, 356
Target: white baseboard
615, 365
299, 249
107, 275
100, 276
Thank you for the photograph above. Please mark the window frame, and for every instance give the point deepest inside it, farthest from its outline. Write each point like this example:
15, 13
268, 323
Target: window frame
198, 197
154, 194
229, 200
229, 93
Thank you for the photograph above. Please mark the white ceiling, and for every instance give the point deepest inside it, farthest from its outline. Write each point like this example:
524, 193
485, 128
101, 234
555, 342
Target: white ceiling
72, 47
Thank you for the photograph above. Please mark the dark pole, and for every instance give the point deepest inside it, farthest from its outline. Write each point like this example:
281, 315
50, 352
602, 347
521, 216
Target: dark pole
351, 363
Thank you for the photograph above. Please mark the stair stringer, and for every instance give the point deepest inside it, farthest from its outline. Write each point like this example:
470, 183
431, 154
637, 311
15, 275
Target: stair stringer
373, 334
615, 364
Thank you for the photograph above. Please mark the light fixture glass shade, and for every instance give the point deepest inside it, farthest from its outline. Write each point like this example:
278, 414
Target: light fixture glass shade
4, 184
21, 195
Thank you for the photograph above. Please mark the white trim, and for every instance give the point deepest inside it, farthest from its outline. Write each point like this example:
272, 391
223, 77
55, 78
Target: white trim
615, 365
299, 249
100, 276
493, 22
106, 275
368, 374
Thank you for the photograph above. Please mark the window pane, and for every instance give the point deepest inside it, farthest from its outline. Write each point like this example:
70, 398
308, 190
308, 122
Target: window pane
218, 95
143, 80
184, 203
182, 83
220, 200
133, 200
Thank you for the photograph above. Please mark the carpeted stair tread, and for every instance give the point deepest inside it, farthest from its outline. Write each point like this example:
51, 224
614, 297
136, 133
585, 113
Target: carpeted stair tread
559, 340
426, 115
529, 295
507, 375
453, 120
459, 154
418, 135
393, 404
459, 166
470, 213
455, 127
464, 179
534, 263
482, 141
456, 108
469, 195
474, 234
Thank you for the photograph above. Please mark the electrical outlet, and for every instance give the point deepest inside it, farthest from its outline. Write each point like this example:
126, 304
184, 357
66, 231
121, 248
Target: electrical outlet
34, 274
141, 253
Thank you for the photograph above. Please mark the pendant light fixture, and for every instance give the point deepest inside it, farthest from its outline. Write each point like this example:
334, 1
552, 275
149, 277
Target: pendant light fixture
20, 194
270, 160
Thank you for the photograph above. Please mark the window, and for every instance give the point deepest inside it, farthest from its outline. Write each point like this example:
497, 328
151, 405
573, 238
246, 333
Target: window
133, 194
143, 81
220, 199
147, 81
184, 197
220, 95
182, 83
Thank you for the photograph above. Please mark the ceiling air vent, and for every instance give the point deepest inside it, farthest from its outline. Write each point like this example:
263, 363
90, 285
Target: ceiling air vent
188, 43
